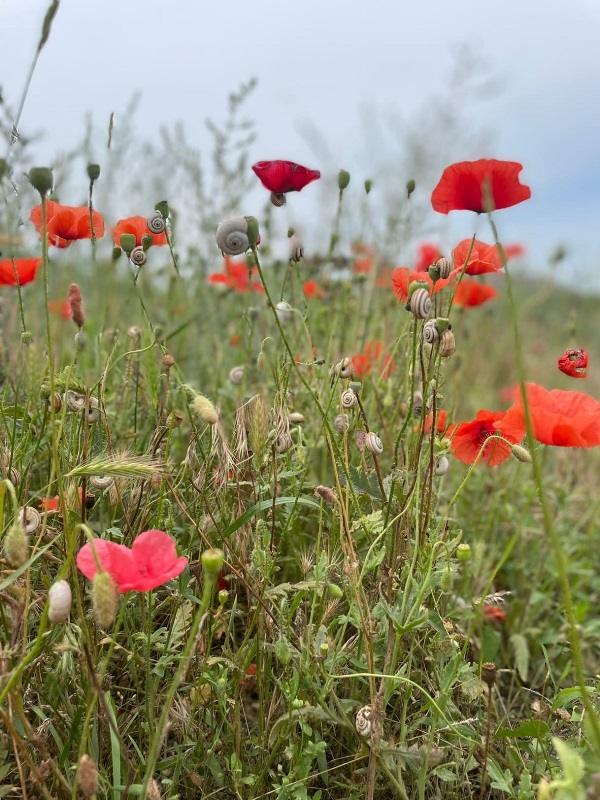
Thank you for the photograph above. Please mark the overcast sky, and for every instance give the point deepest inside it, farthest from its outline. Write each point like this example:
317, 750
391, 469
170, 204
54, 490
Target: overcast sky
328, 65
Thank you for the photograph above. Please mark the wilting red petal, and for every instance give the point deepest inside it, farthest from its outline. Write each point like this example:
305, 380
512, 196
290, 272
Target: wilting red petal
440, 425
465, 186
483, 258
402, 277
26, 269
138, 227
574, 363
470, 294
469, 437
427, 255
284, 176
494, 613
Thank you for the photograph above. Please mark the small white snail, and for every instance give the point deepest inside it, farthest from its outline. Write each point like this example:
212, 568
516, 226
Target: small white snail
343, 369
236, 375
447, 343
373, 443
74, 401
156, 223
59, 595
138, 256
237, 235
341, 423
442, 466
417, 403
348, 399
430, 332
444, 267
296, 417
93, 414
30, 519
101, 481
420, 303
296, 250
364, 721
284, 312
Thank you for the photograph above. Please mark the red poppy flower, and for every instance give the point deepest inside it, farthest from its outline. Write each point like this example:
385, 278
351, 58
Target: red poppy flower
484, 258
560, 418
494, 613
574, 363
235, 340
65, 224
403, 277
138, 226
312, 289
25, 269
151, 561
280, 177
469, 437
440, 422
61, 308
514, 250
470, 294
469, 185
373, 357
236, 277
52, 504
428, 254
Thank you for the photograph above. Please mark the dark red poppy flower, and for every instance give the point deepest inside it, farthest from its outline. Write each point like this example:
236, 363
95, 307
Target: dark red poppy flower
403, 277
280, 177
151, 561
427, 254
23, 269
483, 258
560, 418
373, 357
470, 294
312, 289
469, 437
65, 224
138, 227
574, 363
236, 277
473, 185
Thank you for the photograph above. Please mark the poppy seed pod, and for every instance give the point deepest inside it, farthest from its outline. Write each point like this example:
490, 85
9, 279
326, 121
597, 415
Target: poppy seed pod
212, 561
93, 172
59, 596
42, 179
343, 179
156, 223
237, 235
368, 186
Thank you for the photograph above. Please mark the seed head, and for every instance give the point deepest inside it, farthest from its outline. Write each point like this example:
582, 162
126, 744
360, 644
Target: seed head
104, 599
87, 776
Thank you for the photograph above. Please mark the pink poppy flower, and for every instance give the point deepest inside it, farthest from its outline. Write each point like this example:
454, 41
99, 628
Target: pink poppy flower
151, 561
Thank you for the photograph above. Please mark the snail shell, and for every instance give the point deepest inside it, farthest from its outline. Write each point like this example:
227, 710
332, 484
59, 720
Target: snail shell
444, 267
364, 721
296, 417
30, 519
278, 199
447, 343
343, 369
284, 312
420, 303
134, 332
14, 476
236, 375
417, 404
101, 481
138, 256
430, 332
93, 414
232, 236
442, 466
74, 401
156, 223
57, 403
284, 442
348, 399
373, 443
59, 595
341, 423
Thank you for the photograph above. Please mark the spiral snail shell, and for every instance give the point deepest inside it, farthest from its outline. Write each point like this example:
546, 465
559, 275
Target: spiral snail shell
56, 402
59, 596
74, 401
430, 332
348, 399
101, 481
343, 369
420, 303
364, 721
236, 375
93, 411
237, 235
156, 223
138, 256
442, 466
284, 312
373, 443
278, 199
417, 403
284, 442
30, 519
444, 266
341, 423
447, 343
296, 417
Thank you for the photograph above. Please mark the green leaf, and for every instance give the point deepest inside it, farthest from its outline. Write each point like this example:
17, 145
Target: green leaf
534, 728
362, 483
521, 652
263, 505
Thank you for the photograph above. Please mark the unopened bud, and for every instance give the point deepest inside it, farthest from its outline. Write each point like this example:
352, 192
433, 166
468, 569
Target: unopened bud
343, 179
104, 599
283, 651
87, 776
410, 187
327, 494
463, 552
205, 409
42, 179
116, 253
335, 591
75, 305
128, 242
368, 186
26, 338
168, 361
93, 171
212, 561
521, 453
163, 207
147, 240
446, 580
16, 545
223, 597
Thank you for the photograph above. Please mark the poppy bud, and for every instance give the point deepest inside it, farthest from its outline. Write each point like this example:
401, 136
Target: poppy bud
410, 187
283, 651
446, 581
205, 409
87, 776
335, 591
343, 179
16, 545
521, 453
223, 597
116, 253
74, 297
212, 561
4, 168
163, 207
104, 599
147, 240
127, 242
42, 179
463, 552
290, 233
26, 338
368, 186
93, 171
442, 324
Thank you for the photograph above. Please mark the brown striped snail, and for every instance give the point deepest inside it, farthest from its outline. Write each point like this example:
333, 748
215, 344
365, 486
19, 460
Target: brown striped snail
420, 303
444, 267
364, 721
278, 199
447, 343
430, 332
373, 443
